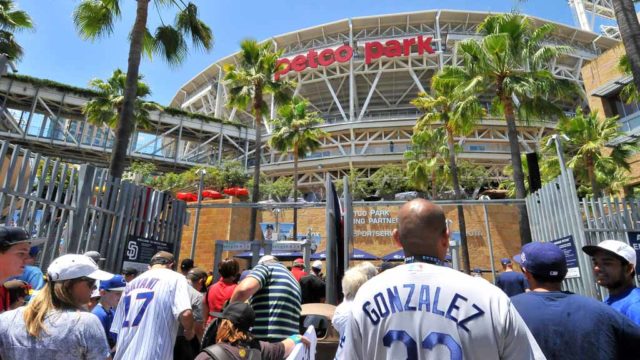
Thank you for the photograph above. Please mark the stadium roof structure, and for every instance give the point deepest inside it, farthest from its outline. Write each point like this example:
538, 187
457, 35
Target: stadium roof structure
364, 96
360, 75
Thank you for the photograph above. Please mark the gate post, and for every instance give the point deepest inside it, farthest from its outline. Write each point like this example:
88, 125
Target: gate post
80, 203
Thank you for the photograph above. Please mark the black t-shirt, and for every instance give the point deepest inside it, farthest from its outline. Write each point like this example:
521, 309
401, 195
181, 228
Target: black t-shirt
268, 351
569, 326
313, 289
512, 283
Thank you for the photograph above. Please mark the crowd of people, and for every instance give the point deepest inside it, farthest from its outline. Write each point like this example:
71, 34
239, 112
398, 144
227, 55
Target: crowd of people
422, 309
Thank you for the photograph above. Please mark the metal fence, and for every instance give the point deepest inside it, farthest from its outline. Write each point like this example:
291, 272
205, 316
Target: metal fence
556, 212
81, 207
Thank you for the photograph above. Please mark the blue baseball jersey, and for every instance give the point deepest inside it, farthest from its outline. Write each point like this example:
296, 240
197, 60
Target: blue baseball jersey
627, 303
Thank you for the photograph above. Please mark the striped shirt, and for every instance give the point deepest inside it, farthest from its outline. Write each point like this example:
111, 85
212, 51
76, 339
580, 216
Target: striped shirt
146, 319
276, 304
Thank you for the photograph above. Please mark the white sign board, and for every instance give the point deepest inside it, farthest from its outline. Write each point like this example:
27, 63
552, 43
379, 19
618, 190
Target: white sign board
301, 352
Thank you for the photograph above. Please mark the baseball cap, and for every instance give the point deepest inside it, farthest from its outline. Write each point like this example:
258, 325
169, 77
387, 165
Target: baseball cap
116, 283
244, 274
73, 266
505, 261
186, 264
544, 259
615, 247
129, 271
317, 264
240, 314
196, 273
267, 259
162, 257
34, 251
16, 235
298, 262
95, 256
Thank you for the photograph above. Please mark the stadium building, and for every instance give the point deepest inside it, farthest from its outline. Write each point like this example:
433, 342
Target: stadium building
360, 75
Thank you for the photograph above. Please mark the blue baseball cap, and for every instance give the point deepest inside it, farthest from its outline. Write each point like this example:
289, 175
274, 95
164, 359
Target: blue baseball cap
116, 283
505, 261
544, 259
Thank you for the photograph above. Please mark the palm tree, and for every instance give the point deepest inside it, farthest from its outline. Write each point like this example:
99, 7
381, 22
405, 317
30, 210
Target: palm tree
295, 129
12, 20
248, 84
589, 148
630, 93
458, 109
105, 108
427, 158
629, 27
510, 62
95, 18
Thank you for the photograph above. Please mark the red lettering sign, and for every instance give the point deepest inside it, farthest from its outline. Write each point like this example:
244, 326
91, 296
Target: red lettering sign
372, 50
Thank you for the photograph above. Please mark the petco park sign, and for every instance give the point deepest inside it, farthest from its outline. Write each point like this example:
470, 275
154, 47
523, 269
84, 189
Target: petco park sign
372, 50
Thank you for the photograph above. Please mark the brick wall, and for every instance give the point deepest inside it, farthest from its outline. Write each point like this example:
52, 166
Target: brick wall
232, 224
598, 72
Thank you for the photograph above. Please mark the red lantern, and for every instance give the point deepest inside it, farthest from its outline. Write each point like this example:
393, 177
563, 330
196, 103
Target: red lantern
211, 194
186, 196
236, 191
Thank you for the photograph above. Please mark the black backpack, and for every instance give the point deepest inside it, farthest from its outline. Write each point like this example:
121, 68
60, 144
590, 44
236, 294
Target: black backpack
218, 352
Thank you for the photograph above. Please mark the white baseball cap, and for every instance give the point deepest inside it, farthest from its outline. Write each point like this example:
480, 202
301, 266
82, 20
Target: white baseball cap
73, 266
317, 264
619, 248
267, 259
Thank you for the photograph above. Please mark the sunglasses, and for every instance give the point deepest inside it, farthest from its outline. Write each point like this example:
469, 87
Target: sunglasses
90, 282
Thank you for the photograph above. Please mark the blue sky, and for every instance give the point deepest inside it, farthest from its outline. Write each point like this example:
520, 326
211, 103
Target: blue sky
56, 52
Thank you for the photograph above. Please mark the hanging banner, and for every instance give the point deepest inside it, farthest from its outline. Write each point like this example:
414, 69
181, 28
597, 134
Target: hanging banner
569, 247
634, 241
269, 231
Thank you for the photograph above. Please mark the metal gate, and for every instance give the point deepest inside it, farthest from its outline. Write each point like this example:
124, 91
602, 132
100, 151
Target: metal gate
81, 207
556, 212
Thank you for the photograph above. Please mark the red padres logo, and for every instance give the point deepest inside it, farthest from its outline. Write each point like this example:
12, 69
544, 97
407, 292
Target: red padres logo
372, 50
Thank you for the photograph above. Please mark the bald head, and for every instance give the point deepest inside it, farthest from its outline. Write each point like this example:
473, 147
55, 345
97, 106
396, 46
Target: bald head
422, 229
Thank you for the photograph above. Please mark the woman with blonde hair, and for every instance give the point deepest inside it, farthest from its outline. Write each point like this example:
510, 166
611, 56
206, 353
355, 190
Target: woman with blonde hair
55, 324
235, 341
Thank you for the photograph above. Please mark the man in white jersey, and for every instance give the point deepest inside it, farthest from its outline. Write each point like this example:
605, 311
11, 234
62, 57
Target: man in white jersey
425, 310
151, 306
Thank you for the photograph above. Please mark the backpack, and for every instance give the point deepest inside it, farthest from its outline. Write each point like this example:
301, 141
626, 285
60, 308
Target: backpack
218, 352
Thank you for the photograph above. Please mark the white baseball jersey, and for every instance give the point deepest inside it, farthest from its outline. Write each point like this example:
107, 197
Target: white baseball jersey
146, 319
423, 311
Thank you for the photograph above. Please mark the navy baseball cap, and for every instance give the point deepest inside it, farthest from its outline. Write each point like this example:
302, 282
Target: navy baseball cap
116, 283
505, 261
544, 259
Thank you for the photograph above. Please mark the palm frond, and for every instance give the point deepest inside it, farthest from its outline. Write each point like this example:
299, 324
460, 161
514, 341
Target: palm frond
170, 44
188, 22
95, 18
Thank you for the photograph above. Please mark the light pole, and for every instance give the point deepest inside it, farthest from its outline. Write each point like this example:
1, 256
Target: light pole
202, 172
556, 138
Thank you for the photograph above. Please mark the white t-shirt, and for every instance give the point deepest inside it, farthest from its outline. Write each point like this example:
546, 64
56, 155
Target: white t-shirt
67, 335
423, 311
146, 319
